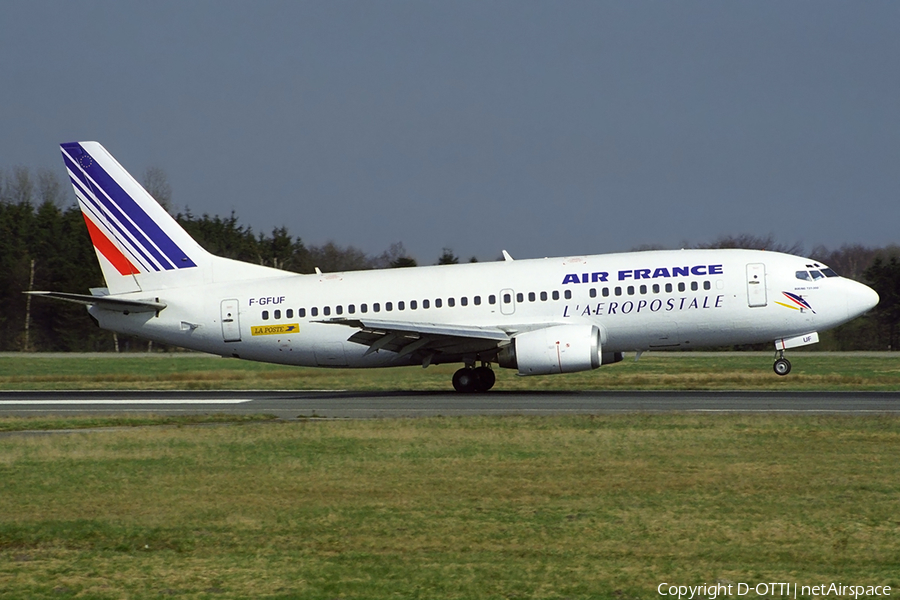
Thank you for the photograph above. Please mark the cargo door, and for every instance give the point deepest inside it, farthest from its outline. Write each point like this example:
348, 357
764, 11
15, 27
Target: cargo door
756, 284
231, 323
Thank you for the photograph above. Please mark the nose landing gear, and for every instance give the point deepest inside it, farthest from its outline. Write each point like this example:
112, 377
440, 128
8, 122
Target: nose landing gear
782, 365
477, 379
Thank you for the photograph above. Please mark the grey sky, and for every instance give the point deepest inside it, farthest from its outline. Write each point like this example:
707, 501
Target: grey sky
546, 128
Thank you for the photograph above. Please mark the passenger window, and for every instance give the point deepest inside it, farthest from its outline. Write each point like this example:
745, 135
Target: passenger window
351, 309
532, 296
507, 298
289, 313
555, 295
413, 305
568, 294
314, 311
438, 302
543, 296
451, 302
388, 306
339, 309
376, 307
668, 288
707, 285
492, 299
520, 297
301, 313
606, 292
643, 289
618, 291
477, 300
277, 314
655, 288
803, 275
464, 301
265, 315
631, 290
326, 311
681, 287
401, 305
593, 292
694, 286
363, 308
426, 304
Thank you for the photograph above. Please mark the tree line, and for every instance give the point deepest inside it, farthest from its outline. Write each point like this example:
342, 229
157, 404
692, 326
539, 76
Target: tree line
44, 245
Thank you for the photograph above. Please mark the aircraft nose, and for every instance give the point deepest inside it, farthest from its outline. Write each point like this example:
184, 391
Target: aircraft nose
860, 299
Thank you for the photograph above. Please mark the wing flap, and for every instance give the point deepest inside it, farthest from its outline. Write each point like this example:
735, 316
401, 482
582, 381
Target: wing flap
429, 338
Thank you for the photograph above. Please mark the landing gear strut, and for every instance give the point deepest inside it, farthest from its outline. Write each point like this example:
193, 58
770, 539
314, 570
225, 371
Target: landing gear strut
782, 365
478, 379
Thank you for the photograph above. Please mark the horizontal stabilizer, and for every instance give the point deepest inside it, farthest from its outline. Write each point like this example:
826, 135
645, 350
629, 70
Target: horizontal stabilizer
106, 302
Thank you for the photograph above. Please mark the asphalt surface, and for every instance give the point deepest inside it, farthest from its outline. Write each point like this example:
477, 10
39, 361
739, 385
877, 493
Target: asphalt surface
365, 405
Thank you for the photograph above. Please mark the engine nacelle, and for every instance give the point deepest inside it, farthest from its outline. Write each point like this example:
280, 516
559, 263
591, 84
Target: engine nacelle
557, 349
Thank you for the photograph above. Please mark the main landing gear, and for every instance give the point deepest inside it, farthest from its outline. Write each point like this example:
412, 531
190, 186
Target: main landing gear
782, 365
474, 379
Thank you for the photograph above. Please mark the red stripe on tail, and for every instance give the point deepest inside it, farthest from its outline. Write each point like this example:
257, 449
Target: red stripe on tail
109, 250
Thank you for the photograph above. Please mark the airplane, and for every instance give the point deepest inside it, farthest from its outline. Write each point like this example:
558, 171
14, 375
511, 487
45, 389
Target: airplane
538, 316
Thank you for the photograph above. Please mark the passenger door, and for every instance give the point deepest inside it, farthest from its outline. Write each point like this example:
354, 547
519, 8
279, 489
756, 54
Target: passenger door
756, 285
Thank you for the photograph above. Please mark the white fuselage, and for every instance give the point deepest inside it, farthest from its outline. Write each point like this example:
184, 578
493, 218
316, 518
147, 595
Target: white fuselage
638, 300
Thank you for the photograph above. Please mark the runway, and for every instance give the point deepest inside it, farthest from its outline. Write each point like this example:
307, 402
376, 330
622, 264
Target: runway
367, 405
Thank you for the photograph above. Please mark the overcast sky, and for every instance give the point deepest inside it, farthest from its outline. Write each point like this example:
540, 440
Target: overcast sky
545, 128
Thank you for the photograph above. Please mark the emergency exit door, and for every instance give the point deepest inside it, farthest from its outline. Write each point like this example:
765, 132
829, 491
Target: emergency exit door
756, 284
231, 323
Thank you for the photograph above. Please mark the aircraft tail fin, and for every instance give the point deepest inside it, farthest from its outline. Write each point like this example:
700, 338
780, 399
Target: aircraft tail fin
139, 245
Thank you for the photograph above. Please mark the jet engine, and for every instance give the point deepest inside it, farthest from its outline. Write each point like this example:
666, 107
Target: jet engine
557, 349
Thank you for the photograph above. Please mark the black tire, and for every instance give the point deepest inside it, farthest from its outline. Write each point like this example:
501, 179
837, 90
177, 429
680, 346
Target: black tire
485, 377
782, 367
465, 381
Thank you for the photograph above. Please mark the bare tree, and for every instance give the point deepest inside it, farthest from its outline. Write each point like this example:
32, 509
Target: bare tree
753, 242
157, 185
21, 186
49, 188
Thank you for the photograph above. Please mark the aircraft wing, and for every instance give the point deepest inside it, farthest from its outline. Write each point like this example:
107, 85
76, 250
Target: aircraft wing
405, 338
106, 302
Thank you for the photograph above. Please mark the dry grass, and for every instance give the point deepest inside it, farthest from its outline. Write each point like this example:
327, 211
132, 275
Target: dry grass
679, 371
522, 507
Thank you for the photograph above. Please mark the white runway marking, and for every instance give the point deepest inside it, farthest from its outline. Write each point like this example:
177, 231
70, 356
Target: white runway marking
124, 402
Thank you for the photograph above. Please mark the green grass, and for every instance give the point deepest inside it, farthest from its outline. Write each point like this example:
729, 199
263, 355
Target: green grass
514, 507
678, 371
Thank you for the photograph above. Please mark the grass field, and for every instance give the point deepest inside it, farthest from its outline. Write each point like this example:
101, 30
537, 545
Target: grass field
515, 507
678, 371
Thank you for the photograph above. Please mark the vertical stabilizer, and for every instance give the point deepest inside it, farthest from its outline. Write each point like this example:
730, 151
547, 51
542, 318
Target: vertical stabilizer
132, 233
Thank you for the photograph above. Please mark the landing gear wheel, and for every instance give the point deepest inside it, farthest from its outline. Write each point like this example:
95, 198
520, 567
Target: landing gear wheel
468, 380
782, 366
485, 378
465, 380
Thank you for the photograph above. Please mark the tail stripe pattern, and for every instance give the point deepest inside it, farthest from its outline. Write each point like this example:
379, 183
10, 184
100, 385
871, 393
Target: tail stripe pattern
91, 205
109, 250
114, 209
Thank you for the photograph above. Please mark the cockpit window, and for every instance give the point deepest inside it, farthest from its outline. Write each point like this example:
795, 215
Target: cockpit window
815, 275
